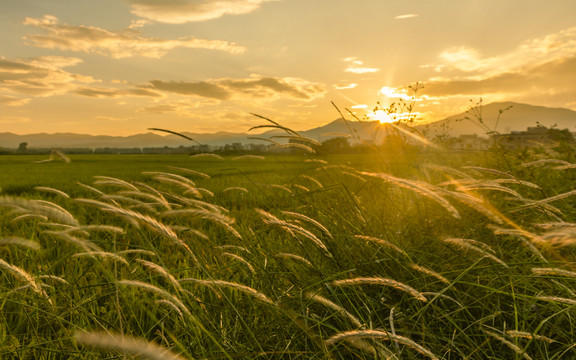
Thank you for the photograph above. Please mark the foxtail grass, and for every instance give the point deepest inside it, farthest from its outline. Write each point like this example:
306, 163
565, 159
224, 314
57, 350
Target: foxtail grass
382, 282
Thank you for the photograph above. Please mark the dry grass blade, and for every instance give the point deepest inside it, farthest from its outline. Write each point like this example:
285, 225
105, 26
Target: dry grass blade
200, 213
105, 228
235, 188
248, 157
477, 204
157, 200
557, 299
242, 288
554, 225
310, 179
107, 180
545, 162
309, 220
280, 187
429, 272
382, 282
565, 167
187, 186
380, 334
554, 272
234, 247
29, 217
548, 200
103, 254
241, 259
295, 257
480, 169
530, 336
39, 207
292, 228
207, 156
299, 187
419, 187
317, 161
565, 236
381, 242
171, 305
225, 221
116, 198
54, 278
162, 271
274, 125
84, 244
191, 172
329, 304
488, 186
443, 296
180, 178
52, 191
175, 133
163, 293
27, 278
137, 251
473, 245
14, 240
127, 345
512, 346
447, 171
137, 217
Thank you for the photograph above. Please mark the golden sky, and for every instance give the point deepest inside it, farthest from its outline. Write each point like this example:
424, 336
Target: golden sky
118, 67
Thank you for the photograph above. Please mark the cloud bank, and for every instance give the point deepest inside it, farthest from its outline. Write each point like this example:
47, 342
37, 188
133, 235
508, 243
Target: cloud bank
259, 88
183, 11
537, 69
38, 77
122, 44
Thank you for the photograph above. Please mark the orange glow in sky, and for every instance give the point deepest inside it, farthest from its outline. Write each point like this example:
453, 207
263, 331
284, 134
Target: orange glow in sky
119, 67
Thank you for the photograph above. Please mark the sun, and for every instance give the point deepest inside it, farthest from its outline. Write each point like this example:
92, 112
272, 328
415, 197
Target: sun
381, 116
386, 117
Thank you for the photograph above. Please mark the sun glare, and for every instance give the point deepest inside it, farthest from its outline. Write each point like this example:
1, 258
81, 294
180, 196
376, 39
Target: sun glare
385, 117
381, 116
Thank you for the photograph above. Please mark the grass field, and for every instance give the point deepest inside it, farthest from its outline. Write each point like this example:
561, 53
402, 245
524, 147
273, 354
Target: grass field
376, 255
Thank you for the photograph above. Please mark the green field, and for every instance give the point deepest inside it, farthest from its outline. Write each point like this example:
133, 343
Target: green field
383, 254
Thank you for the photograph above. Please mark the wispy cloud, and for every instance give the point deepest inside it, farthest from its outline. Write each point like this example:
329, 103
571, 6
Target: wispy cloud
122, 44
113, 93
255, 88
344, 87
396, 93
182, 11
13, 101
356, 66
41, 76
406, 16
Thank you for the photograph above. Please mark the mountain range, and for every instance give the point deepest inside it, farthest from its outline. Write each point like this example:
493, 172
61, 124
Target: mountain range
501, 117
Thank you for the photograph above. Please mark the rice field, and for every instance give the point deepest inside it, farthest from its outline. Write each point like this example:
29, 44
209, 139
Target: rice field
414, 254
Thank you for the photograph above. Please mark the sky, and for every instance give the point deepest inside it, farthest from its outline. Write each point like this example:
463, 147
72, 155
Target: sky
119, 67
